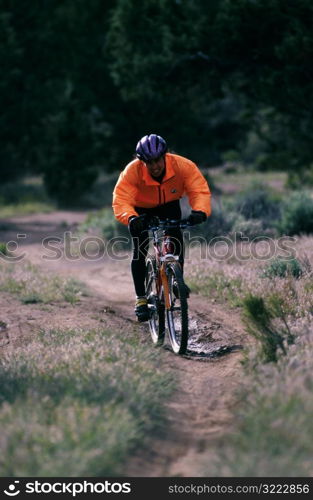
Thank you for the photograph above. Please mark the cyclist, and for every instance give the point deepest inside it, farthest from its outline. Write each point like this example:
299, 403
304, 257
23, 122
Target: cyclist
152, 185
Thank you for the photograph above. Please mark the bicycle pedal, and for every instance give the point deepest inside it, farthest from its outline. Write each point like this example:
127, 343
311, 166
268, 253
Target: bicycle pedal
142, 317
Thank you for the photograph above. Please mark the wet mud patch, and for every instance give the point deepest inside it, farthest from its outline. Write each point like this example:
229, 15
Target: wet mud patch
211, 353
210, 339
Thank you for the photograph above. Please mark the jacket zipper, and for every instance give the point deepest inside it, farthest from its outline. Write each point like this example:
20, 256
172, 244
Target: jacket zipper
162, 191
160, 197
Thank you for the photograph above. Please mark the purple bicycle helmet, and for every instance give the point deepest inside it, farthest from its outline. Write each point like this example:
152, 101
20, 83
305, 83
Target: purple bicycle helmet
151, 147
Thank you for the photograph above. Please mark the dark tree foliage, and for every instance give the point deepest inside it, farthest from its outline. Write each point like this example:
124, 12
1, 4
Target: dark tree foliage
54, 70
69, 169
162, 75
81, 82
10, 100
265, 52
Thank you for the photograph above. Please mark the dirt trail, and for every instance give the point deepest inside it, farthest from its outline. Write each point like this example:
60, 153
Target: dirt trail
201, 409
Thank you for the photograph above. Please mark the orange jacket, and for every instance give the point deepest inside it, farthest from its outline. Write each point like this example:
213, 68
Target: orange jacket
136, 188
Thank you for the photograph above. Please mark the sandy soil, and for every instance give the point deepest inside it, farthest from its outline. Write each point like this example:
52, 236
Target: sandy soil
201, 409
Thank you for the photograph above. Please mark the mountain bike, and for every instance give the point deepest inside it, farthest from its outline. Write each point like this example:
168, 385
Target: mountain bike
165, 288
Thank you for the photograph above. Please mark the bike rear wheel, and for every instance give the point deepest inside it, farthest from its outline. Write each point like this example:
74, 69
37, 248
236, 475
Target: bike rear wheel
156, 306
177, 315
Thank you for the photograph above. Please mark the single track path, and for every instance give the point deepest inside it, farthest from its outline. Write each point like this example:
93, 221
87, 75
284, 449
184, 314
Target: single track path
201, 409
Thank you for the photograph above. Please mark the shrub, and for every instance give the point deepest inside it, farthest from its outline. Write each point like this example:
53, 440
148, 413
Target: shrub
100, 194
258, 202
251, 228
297, 214
259, 317
220, 223
298, 179
27, 191
282, 268
3, 248
104, 223
210, 181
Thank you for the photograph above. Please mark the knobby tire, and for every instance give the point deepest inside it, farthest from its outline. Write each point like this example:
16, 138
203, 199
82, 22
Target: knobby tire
177, 320
157, 320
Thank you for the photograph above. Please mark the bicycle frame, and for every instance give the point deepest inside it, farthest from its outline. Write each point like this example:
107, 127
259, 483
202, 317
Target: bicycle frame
164, 253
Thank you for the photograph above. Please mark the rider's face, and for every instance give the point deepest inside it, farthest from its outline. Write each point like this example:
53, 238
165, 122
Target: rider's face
156, 167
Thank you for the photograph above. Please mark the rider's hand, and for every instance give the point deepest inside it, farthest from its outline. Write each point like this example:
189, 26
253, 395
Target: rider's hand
196, 217
137, 224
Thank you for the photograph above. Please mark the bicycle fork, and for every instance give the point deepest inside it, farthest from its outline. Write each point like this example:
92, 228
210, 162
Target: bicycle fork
164, 282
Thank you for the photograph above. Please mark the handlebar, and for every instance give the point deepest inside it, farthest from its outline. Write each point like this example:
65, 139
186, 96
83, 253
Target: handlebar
168, 224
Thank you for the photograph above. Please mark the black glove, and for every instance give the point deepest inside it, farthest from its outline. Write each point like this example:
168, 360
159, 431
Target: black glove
137, 224
196, 217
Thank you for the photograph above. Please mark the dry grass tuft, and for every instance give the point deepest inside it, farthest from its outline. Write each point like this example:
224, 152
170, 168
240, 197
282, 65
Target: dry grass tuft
75, 403
274, 421
32, 285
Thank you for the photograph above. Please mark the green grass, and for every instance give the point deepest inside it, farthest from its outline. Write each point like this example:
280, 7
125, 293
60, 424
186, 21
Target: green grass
76, 403
24, 197
26, 208
3, 248
282, 268
241, 179
32, 285
103, 222
218, 286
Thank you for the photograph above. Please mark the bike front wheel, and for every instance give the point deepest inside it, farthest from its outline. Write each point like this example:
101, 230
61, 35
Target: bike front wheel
155, 304
177, 314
